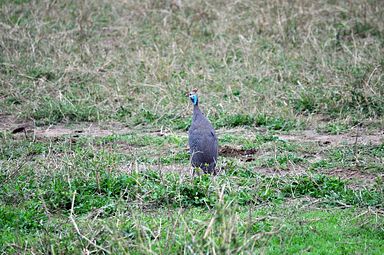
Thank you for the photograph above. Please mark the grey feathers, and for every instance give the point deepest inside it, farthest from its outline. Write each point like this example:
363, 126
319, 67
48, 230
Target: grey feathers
202, 141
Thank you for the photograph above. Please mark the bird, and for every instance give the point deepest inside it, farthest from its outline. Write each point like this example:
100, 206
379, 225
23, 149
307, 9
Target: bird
203, 144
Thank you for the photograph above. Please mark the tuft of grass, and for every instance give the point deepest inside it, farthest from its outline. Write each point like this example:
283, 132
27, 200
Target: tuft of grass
261, 120
334, 128
363, 158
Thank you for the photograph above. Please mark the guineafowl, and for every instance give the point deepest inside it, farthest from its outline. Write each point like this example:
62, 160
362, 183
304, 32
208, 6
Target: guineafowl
202, 139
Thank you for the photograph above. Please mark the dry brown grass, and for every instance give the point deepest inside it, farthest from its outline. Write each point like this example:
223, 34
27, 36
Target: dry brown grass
133, 60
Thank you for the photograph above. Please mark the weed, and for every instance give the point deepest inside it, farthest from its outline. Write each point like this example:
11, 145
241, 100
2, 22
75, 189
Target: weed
366, 158
334, 128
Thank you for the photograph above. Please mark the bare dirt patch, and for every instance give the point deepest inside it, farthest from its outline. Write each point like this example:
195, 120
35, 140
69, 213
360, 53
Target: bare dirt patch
27, 128
230, 151
325, 139
356, 177
140, 167
90, 130
55, 131
246, 155
8, 122
14, 125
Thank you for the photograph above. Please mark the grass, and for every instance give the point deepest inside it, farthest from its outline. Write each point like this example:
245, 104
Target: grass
267, 73
49, 187
363, 158
148, 210
102, 67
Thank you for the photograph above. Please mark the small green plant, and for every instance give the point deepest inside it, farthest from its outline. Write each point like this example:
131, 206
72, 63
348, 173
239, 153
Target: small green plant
335, 128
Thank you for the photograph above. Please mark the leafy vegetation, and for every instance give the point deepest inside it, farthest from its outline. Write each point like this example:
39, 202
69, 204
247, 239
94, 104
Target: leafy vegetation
46, 183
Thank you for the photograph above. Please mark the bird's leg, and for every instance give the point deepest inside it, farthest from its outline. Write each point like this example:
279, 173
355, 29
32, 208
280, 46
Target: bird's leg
205, 168
198, 171
192, 171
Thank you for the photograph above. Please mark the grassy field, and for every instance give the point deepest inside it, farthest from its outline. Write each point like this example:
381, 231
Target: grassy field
93, 127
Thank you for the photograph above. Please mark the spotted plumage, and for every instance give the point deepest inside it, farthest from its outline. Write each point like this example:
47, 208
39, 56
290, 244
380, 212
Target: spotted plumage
202, 139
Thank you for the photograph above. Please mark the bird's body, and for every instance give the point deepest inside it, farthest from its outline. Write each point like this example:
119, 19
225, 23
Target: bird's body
202, 140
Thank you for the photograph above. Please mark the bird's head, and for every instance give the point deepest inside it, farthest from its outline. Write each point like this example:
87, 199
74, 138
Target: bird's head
193, 96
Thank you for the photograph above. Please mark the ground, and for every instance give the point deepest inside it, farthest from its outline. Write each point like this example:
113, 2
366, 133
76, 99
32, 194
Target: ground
93, 127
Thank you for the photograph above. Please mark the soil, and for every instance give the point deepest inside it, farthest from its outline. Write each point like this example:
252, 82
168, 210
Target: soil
232, 152
84, 129
347, 138
13, 125
22, 129
245, 155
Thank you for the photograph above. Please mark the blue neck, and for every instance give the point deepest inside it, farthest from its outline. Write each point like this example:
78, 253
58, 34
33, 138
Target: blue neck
195, 100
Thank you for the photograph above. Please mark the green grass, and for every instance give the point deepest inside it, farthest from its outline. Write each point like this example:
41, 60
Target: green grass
363, 158
265, 70
232, 200
47, 184
334, 128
